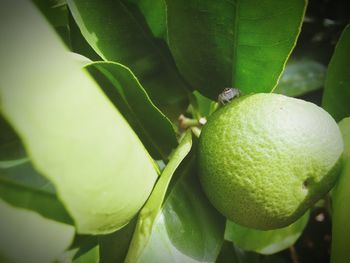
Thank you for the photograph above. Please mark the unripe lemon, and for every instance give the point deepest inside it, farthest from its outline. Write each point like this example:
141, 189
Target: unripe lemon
264, 159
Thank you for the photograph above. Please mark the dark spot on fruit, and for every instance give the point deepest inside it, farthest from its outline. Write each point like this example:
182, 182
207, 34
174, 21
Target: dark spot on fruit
306, 184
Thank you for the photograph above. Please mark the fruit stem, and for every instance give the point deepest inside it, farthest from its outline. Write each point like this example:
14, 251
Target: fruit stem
196, 131
185, 122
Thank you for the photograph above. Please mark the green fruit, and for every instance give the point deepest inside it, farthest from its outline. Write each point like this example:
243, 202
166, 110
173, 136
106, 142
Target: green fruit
264, 159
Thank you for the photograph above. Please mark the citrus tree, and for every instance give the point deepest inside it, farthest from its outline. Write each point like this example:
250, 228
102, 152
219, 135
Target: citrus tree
122, 141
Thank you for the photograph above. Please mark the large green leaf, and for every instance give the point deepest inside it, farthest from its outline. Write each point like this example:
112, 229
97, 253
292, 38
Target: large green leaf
125, 91
240, 43
154, 12
337, 88
72, 133
28, 237
151, 210
340, 203
265, 242
116, 33
22, 186
188, 229
300, 77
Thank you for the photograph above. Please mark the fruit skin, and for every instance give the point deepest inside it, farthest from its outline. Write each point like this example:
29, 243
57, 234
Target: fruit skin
264, 159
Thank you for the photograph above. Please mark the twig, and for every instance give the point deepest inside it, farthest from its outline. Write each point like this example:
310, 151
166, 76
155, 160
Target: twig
293, 254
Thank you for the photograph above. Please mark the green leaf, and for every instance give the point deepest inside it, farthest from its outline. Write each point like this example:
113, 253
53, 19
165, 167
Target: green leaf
22, 186
336, 95
13, 163
85, 248
201, 106
114, 247
24, 174
56, 12
73, 135
81, 245
11, 147
78, 42
188, 229
265, 242
244, 44
128, 41
28, 237
91, 256
82, 60
301, 76
153, 205
340, 203
154, 12
125, 91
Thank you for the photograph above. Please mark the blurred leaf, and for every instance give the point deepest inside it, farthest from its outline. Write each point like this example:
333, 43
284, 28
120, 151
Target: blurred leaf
336, 95
12, 163
188, 229
127, 94
114, 247
56, 12
22, 186
114, 31
300, 77
24, 174
265, 242
153, 205
91, 256
28, 237
244, 44
72, 133
11, 147
154, 12
340, 203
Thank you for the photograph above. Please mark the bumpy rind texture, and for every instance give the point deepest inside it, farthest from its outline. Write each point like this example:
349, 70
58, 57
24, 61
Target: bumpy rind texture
264, 159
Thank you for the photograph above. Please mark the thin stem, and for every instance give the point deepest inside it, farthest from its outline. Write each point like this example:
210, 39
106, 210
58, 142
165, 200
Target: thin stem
293, 254
185, 122
196, 131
